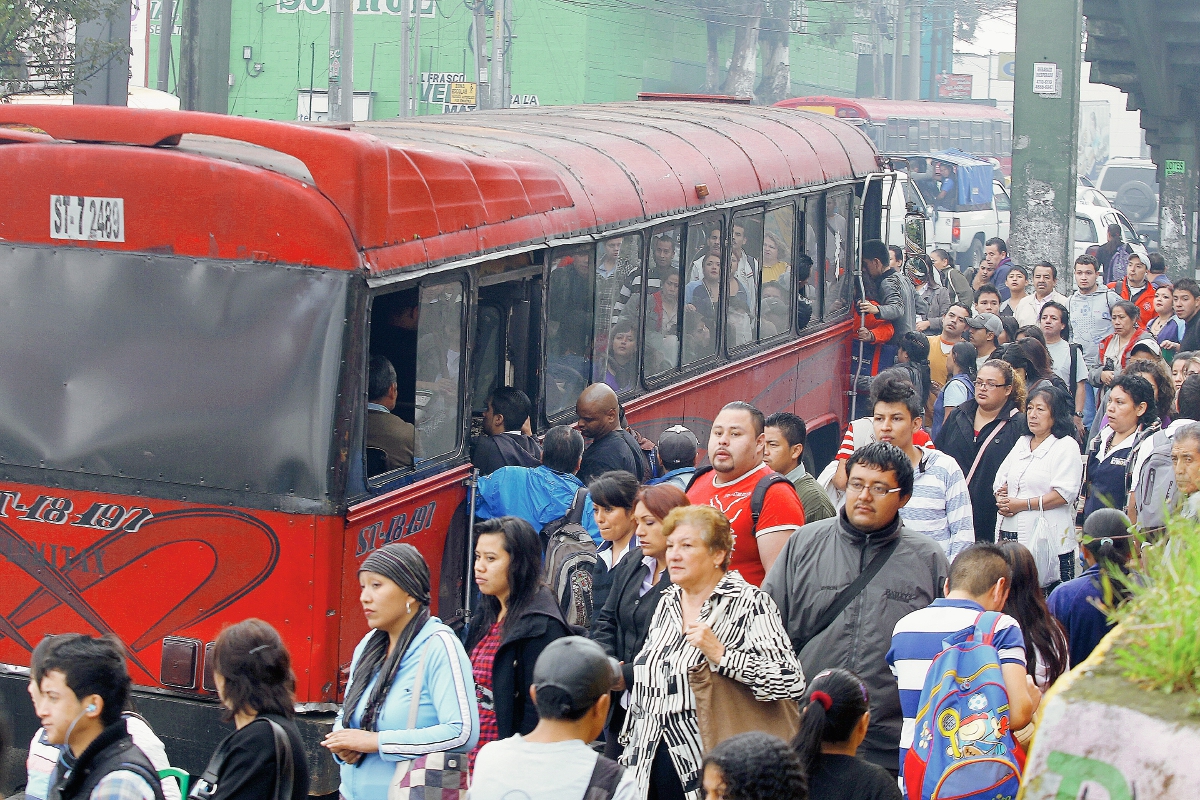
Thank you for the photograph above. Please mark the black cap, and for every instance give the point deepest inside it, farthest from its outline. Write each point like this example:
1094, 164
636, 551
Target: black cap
579, 668
678, 445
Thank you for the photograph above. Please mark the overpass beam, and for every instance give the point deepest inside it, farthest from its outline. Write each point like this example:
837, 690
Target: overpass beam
1046, 132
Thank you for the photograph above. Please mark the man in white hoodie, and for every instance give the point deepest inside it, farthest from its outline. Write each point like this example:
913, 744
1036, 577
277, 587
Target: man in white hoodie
1091, 321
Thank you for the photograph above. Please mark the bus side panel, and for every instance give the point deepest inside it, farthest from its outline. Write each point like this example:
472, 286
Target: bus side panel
419, 515
807, 377
148, 570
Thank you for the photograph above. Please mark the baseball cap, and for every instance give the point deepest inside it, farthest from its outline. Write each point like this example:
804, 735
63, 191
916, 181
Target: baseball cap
579, 668
1147, 344
989, 321
678, 445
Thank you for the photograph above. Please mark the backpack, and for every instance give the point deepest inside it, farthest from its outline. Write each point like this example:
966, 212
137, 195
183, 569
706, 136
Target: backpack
1154, 494
962, 747
1119, 266
570, 556
757, 497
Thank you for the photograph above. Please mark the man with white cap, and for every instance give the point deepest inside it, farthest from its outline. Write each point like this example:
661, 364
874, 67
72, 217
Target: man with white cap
572, 684
676, 457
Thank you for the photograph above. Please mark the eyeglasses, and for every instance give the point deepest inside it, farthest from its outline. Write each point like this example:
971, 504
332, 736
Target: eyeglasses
879, 490
989, 384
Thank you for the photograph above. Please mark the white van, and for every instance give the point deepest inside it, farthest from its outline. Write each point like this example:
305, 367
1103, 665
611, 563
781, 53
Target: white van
1091, 229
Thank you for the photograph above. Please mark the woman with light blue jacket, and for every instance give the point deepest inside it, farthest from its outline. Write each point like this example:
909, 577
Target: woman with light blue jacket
372, 732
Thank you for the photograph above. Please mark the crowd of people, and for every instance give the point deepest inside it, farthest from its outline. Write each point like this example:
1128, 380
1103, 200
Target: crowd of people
623, 588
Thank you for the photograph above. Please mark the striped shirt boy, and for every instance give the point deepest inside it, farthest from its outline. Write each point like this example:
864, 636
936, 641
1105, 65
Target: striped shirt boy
940, 506
917, 640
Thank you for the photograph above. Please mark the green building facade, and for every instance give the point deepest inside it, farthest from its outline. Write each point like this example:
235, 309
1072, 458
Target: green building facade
561, 52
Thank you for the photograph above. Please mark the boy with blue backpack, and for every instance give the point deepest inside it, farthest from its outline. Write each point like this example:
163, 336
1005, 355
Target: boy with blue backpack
958, 729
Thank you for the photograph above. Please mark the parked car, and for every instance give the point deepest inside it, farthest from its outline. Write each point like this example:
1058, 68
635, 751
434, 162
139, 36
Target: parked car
1131, 185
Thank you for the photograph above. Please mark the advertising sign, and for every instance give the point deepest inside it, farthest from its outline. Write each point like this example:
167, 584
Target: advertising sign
952, 86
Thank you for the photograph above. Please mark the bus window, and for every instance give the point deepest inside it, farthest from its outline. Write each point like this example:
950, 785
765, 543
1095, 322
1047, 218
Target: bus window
568, 327
487, 355
440, 329
837, 253
814, 211
615, 347
741, 288
702, 293
774, 303
923, 128
661, 351
976, 137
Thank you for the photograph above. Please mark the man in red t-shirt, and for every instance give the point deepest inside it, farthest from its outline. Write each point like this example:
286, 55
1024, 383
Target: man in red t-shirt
735, 448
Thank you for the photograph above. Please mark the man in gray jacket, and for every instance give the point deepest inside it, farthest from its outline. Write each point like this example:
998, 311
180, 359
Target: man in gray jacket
822, 560
897, 297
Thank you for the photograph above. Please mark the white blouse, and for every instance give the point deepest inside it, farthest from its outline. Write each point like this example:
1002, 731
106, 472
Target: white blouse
1056, 465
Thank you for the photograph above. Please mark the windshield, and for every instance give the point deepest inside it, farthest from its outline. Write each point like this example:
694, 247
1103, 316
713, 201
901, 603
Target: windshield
173, 370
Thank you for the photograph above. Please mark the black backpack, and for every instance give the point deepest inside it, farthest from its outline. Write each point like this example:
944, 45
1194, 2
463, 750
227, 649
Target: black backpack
757, 498
570, 555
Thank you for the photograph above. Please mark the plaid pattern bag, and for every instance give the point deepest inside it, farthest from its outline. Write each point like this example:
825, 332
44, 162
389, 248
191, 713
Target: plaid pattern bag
437, 776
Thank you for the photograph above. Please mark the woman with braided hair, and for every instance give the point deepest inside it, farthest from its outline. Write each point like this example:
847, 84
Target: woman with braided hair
372, 731
833, 723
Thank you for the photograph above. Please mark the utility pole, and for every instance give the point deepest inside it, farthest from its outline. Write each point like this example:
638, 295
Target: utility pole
166, 30
405, 57
499, 98
481, 63
915, 22
341, 61
1045, 127
416, 73
898, 53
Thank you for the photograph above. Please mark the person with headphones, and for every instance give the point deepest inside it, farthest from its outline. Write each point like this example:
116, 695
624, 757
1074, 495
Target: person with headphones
83, 690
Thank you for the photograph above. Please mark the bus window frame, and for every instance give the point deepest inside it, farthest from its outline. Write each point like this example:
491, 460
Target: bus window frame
398, 478
727, 266
791, 291
679, 227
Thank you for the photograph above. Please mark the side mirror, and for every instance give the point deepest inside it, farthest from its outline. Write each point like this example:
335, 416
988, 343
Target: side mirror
914, 230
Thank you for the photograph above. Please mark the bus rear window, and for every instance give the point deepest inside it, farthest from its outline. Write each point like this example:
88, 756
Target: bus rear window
172, 370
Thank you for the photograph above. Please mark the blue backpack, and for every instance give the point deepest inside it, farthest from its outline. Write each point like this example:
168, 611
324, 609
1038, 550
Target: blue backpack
962, 747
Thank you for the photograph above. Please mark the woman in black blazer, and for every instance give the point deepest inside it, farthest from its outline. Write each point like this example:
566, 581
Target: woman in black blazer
638, 582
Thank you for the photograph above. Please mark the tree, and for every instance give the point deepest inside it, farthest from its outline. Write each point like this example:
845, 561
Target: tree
38, 51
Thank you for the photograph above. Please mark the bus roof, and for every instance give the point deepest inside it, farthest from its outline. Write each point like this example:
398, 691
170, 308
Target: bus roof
880, 110
428, 189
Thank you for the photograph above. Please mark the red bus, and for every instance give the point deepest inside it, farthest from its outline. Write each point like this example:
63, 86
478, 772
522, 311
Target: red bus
190, 301
921, 127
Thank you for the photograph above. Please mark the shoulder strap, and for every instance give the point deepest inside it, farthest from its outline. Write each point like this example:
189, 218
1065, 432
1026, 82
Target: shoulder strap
1071, 381
575, 511
605, 777
760, 495
285, 768
414, 705
983, 448
148, 776
696, 475
985, 627
846, 596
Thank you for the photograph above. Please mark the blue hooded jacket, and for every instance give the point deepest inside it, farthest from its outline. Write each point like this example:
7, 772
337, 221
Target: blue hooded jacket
447, 718
538, 495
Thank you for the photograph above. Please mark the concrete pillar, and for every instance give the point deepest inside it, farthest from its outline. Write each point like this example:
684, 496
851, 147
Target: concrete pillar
1177, 155
106, 82
1046, 133
204, 62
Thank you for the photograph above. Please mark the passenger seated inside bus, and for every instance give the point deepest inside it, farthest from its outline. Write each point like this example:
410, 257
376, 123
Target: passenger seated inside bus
697, 337
662, 324
389, 439
773, 311
394, 320
621, 368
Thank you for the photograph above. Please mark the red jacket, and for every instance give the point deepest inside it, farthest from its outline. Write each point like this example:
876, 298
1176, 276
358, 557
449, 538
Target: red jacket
1140, 336
1145, 301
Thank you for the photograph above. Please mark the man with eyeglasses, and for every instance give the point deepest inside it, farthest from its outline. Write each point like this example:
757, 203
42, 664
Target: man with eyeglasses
842, 584
954, 324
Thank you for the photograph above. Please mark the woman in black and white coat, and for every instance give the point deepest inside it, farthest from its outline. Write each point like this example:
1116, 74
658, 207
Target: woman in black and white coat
709, 613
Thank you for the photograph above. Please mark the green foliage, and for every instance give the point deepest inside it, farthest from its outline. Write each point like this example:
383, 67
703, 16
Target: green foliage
1161, 645
38, 51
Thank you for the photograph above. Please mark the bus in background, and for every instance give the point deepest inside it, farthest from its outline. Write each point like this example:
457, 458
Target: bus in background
921, 127
191, 302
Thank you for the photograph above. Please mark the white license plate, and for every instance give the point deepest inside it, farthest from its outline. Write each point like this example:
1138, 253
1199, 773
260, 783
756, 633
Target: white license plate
89, 219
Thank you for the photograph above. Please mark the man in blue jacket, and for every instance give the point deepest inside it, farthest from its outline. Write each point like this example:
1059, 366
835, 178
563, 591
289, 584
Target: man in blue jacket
539, 495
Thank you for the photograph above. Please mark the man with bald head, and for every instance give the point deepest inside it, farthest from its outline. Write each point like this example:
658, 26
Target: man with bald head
612, 447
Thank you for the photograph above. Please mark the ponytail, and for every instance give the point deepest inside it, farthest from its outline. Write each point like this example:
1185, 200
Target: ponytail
836, 701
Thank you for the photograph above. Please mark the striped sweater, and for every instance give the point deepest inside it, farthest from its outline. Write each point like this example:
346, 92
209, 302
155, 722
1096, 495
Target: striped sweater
940, 506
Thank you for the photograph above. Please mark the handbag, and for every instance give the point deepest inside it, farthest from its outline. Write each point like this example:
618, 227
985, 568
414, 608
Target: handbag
725, 707
435, 776
1043, 547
